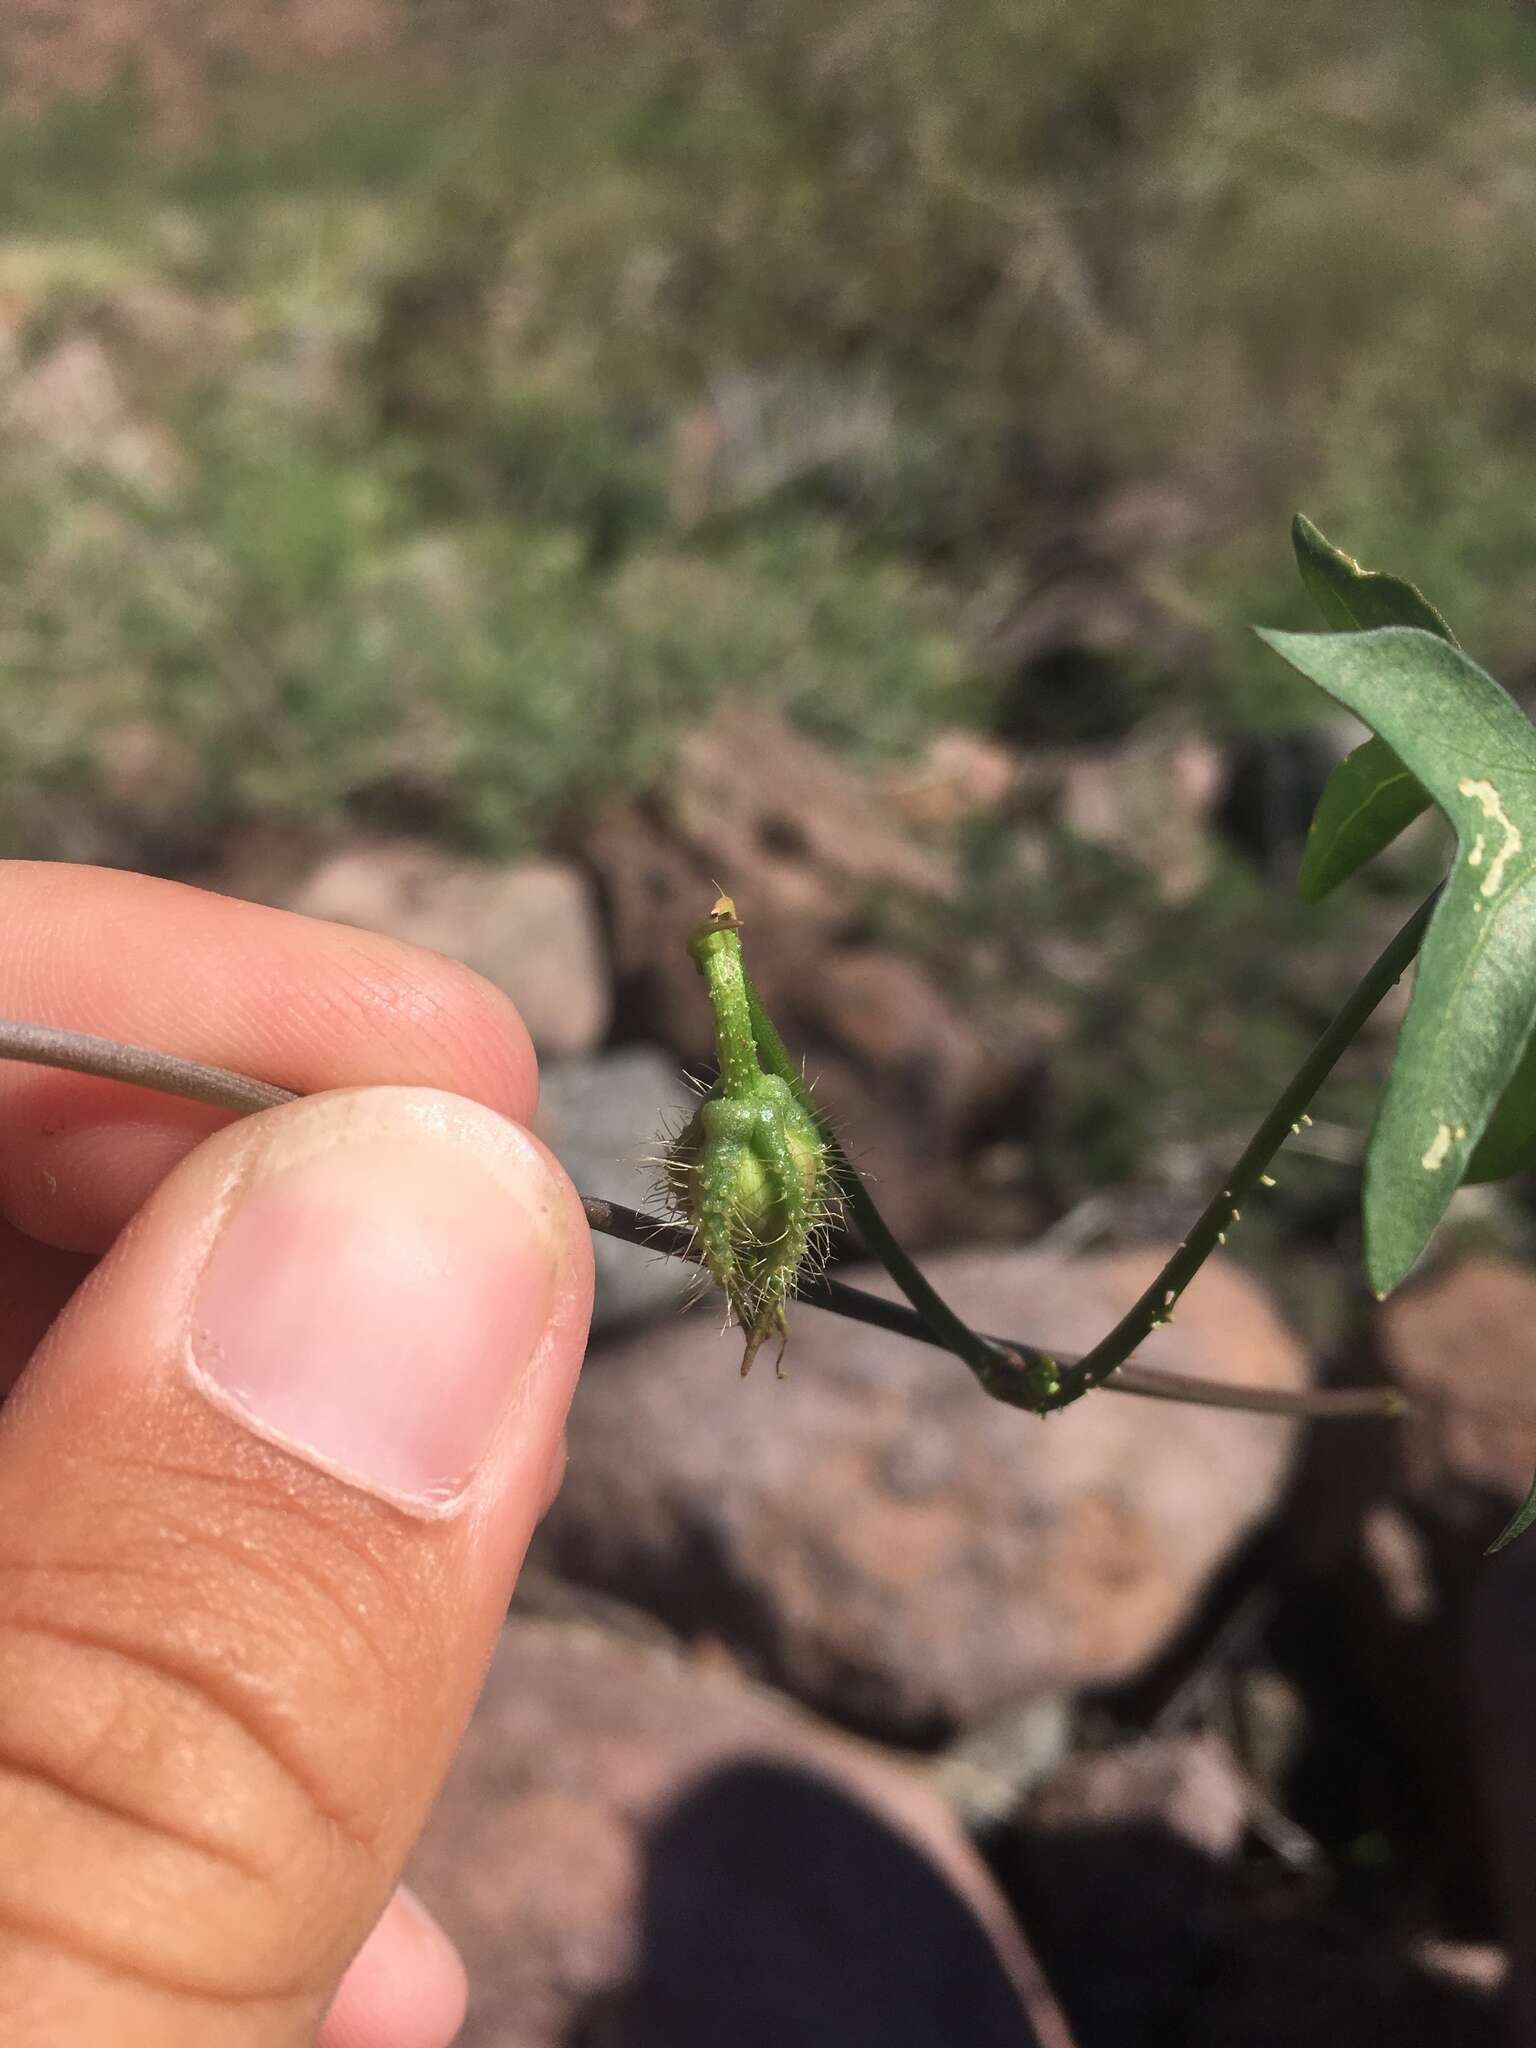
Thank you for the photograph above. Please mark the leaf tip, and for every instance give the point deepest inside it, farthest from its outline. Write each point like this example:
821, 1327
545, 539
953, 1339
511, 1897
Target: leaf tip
1383, 1275
1517, 1525
1387, 1265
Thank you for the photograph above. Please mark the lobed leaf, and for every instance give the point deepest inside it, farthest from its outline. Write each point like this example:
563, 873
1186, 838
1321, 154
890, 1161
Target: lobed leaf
1370, 796
1474, 996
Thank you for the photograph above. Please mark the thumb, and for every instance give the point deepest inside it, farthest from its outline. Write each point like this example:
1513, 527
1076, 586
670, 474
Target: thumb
264, 1490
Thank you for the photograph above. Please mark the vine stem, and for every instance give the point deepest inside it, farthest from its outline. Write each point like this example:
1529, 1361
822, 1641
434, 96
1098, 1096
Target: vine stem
858, 1305
1027, 1377
1020, 1374
1283, 1121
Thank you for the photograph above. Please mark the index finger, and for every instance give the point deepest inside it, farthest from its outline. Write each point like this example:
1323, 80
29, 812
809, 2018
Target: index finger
280, 997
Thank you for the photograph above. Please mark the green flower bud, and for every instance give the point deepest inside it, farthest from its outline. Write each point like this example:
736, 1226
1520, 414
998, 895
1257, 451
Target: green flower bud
749, 1173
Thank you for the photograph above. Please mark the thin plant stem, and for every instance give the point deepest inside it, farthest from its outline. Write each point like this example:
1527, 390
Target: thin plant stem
1157, 1303
1022, 1375
82, 1053
858, 1305
1030, 1378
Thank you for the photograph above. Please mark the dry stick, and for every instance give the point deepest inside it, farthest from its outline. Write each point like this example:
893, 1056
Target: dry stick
143, 1067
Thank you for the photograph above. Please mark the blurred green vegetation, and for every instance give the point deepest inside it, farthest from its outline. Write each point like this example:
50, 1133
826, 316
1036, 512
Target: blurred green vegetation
461, 448
436, 457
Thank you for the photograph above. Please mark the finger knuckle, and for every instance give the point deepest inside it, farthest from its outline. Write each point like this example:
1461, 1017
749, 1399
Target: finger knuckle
169, 1729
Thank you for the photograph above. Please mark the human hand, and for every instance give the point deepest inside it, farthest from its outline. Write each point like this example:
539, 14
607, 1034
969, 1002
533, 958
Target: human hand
272, 1457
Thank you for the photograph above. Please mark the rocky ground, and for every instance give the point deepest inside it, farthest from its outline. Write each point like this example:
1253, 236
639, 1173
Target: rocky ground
852, 1707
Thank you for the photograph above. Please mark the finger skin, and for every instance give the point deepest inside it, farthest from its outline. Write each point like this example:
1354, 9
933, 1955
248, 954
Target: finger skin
406, 1989
283, 998
230, 1684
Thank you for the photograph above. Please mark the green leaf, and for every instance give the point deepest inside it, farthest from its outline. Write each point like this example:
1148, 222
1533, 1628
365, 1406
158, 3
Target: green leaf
1367, 800
1474, 996
1356, 600
1370, 796
1509, 1143
1519, 1522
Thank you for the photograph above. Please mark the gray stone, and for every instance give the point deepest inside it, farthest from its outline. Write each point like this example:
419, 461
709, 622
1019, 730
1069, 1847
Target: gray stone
603, 1118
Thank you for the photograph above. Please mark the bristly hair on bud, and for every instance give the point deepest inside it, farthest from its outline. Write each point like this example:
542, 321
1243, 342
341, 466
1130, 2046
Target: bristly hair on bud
750, 1172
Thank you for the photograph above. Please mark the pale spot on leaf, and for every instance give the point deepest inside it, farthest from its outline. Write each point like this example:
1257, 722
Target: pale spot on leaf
1492, 804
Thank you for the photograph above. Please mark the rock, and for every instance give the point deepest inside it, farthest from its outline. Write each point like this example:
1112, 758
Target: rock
906, 1076
1462, 1344
634, 1850
992, 1768
888, 1016
801, 841
958, 774
1387, 1577
70, 406
69, 398
883, 1540
1121, 1864
807, 847
1186, 1785
750, 792
602, 1117
529, 927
